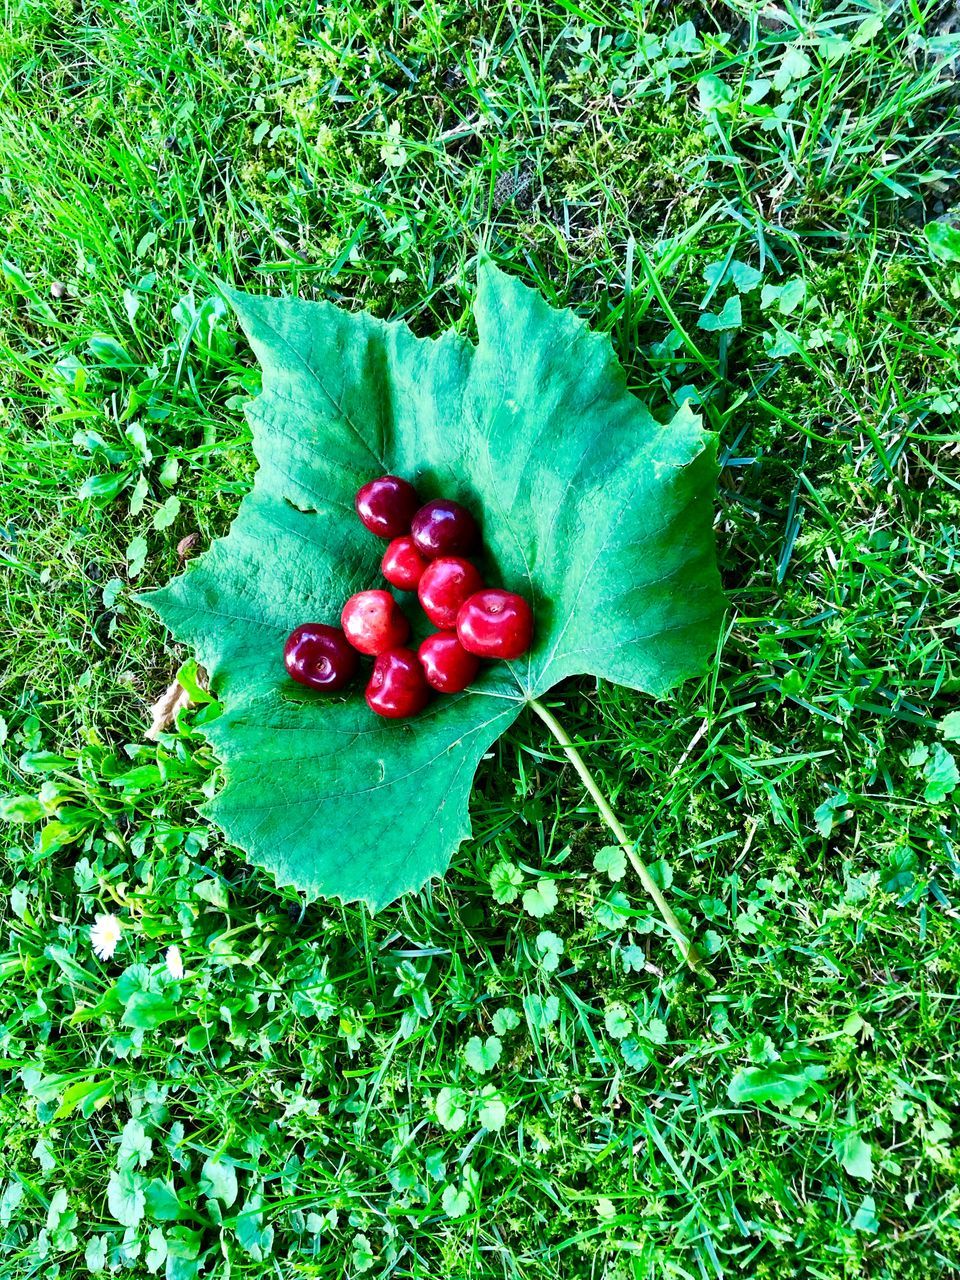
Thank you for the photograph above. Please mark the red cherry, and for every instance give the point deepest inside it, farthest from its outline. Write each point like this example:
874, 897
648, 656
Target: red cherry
373, 622
398, 688
446, 584
446, 664
387, 505
444, 528
402, 564
320, 656
495, 624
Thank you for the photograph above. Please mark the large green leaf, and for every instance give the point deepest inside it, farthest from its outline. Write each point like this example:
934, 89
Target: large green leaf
592, 509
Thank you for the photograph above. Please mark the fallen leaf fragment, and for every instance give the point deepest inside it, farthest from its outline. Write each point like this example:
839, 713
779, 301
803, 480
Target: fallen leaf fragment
164, 711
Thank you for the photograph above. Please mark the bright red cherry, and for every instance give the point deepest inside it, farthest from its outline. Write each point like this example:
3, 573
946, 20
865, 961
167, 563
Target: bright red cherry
446, 584
387, 505
446, 664
402, 564
444, 528
398, 688
320, 656
495, 624
373, 622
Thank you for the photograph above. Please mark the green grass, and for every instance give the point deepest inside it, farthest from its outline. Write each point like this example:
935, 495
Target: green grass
294, 1099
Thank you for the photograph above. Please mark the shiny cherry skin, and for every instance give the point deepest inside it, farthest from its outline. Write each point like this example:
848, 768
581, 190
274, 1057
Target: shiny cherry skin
444, 528
373, 622
495, 624
447, 583
402, 564
398, 687
319, 656
446, 663
387, 505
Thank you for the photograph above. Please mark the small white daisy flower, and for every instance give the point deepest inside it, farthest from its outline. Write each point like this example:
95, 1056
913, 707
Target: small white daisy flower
174, 963
104, 935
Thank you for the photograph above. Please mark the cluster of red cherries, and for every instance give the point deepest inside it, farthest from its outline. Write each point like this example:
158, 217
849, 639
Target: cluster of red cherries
426, 553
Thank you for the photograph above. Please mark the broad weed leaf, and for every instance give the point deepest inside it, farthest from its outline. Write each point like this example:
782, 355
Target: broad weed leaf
618, 1021
505, 881
483, 1055
611, 861
505, 1020
450, 1108
856, 1156
493, 1109
943, 240
539, 902
597, 513
550, 947
779, 1085
218, 1180
455, 1202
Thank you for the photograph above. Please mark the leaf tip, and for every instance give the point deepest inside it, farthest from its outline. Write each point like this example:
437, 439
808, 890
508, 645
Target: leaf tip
147, 599
487, 269
239, 301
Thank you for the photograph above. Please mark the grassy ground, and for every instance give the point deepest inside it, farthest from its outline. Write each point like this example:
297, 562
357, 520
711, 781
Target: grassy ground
737, 195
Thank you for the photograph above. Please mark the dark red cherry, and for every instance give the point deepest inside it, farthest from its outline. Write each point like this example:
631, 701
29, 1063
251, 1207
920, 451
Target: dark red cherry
444, 528
446, 584
446, 663
398, 687
373, 622
495, 624
320, 656
402, 564
387, 505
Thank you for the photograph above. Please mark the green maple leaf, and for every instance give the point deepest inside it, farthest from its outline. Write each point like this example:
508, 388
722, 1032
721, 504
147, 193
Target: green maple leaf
593, 510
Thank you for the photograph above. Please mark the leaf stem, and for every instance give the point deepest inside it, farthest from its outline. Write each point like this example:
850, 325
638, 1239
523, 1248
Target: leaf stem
689, 952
